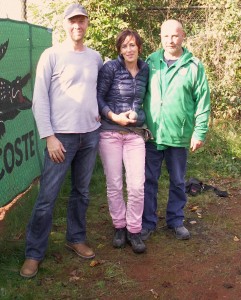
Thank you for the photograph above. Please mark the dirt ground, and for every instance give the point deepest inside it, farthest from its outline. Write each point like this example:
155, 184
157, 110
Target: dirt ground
207, 267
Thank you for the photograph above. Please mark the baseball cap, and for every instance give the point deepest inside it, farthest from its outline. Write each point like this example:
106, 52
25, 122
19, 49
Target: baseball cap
75, 10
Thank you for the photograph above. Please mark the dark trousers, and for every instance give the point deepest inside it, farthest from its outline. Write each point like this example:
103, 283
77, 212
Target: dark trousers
176, 160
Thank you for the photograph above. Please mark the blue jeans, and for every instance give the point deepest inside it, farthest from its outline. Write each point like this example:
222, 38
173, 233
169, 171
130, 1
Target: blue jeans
176, 160
81, 150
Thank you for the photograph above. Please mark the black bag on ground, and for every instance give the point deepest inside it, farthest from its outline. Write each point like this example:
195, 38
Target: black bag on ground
194, 186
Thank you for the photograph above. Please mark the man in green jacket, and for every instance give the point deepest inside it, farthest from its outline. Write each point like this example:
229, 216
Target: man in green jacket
177, 107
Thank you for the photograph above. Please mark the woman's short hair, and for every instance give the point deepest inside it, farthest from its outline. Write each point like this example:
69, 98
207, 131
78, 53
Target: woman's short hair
125, 33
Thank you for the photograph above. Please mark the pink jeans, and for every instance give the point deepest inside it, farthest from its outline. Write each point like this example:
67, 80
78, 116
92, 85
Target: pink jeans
115, 149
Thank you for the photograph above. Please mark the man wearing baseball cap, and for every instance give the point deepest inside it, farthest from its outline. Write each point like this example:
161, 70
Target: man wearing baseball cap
66, 112
75, 10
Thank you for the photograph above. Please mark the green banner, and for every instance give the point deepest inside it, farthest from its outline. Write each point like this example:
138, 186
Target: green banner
21, 151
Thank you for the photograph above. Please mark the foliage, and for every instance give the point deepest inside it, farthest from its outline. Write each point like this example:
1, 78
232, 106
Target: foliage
213, 35
221, 156
107, 19
218, 45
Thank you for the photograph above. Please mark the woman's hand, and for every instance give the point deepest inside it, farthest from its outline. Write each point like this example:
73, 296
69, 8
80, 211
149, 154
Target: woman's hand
121, 119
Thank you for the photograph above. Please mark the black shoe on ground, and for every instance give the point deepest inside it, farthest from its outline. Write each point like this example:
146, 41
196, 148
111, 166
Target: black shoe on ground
146, 233
119, 240
182, 233
134, 239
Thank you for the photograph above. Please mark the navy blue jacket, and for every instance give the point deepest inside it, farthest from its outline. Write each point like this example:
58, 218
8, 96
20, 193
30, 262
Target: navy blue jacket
118, 91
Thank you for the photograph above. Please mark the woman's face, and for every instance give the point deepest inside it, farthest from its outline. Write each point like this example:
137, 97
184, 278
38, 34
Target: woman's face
129, 49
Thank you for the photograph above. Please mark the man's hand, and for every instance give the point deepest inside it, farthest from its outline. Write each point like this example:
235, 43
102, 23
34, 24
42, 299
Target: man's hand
56, 149
121, 119
98, 119
195, 144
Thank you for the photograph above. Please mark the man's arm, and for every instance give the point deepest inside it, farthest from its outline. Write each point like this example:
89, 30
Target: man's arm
41, 102
41, 108
202, 109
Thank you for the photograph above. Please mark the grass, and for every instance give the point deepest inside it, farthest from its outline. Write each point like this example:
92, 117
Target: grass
221, 155
63, 276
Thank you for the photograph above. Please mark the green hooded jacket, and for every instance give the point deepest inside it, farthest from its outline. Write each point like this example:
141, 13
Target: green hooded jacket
177, 102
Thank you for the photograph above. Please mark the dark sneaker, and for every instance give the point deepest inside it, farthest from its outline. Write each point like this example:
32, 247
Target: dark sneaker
182, 233
134, 239
119, 240
146, 233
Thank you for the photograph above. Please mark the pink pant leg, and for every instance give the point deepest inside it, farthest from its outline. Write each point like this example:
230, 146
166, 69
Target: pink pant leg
134, 162
115, 149
111, 149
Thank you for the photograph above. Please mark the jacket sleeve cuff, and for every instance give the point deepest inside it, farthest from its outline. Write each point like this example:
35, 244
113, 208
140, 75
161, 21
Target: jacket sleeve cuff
199, 136
105, 111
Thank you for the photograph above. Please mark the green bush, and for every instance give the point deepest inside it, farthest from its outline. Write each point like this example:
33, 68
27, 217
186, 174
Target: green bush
213, 35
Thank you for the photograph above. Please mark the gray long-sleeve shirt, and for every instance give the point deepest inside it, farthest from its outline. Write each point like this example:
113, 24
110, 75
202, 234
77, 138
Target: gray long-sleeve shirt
64, 99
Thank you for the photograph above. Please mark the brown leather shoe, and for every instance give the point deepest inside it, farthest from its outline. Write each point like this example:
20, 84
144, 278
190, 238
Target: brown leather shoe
29, 268
81, 249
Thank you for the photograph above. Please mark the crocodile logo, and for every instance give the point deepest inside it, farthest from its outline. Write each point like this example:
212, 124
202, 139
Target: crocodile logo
12, 100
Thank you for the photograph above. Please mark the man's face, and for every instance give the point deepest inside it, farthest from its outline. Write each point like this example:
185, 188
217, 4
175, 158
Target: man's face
172, 36
76, 27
